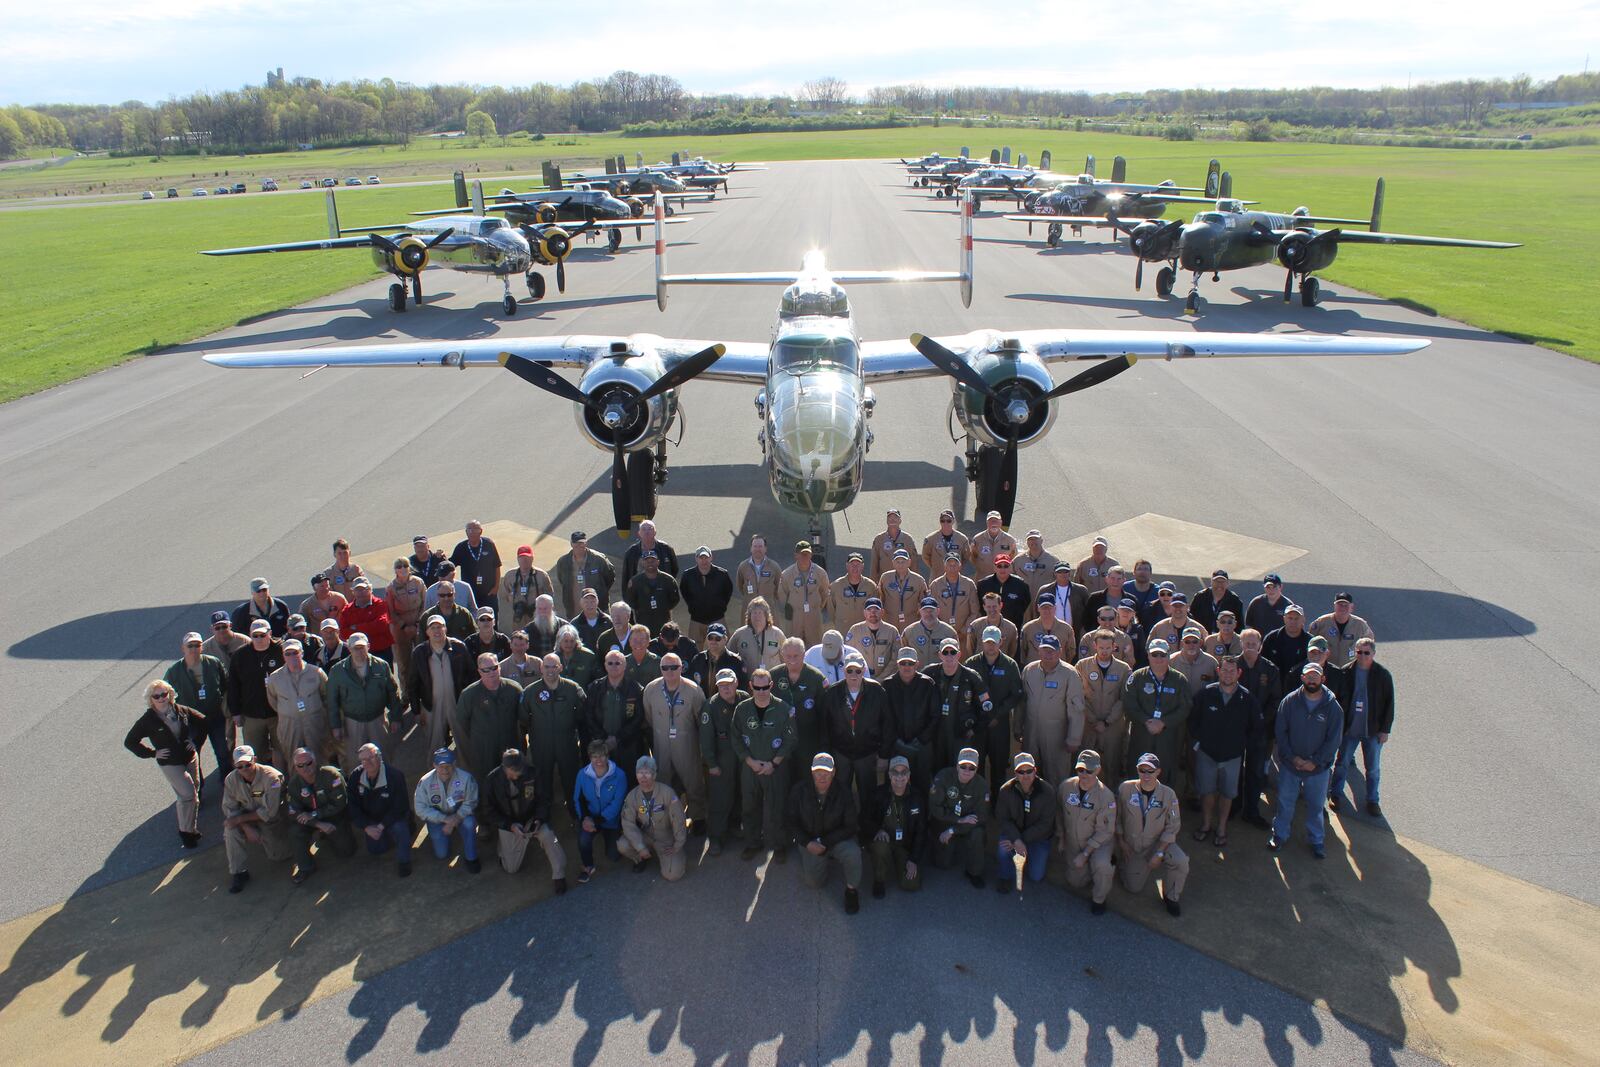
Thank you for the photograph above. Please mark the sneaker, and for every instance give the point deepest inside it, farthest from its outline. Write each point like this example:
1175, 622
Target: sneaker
714, 847
1336, 803
302, 873
1373, 809
976, 880
560, 886
878, 891
1273, 844
780, 855
584, 875
474, 866
239, 880
405, 870
852, 901
639, 866
1097, 907
750, 852
189, 840
1318, 851
1172, 908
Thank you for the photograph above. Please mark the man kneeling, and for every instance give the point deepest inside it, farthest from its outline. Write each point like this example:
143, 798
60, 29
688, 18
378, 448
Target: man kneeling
822, 820
653, 821
514, 806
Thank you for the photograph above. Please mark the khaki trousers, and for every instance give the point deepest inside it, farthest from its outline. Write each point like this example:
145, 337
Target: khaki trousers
1135, 871
514, 849
1096, 869
673, 866
274, 842
185, 782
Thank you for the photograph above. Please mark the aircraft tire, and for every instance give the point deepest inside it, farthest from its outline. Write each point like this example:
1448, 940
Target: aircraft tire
509, 304
613, 240
535, 285
397, 297
642, 490
1165, 278
1310, 292
1052, 236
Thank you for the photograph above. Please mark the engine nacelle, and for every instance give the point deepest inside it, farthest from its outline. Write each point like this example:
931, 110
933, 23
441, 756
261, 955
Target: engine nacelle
1018, 376
1155, 242
635, 206
611, 383
409, 257
1302, 253
552, 246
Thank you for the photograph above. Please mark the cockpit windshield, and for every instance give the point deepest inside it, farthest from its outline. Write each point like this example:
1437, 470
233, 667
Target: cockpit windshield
488, 226
1215, 217
800, 354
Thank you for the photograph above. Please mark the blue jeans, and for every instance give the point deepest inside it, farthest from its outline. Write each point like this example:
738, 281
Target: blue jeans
1296, 785
1371, 755
396, 835
586, 843
469, 838
1038, 859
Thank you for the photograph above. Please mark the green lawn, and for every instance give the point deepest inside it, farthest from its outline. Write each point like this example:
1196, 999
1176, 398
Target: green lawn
85, 288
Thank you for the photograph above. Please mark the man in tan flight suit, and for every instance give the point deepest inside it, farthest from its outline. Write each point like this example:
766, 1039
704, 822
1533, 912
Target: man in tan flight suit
1033, 564
757, 576
1088, 829
926, 634
944, 541
875, 639
1046, 622
653, 824
848, 597
803, 592
902, 590
992, 542
253, 813
672, 706
298, 693
1091, 572
972, 637
892, 540
1051, 721
1102, 674
957, 595
1148, 821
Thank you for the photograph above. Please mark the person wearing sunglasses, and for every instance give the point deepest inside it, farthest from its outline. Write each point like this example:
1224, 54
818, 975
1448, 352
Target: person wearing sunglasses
763, 740
1310, 724
1365, 690
172, 734
200, 682
716, 748
318, 812
823, 821
252, 814
254, 722
961, 705
896, 823
298, 694
858, 729
1156, 699
487, 718
958, 809
1015, 595
1025, 820
992, 542
672, 706
612, 713
1147, 834
1088, 827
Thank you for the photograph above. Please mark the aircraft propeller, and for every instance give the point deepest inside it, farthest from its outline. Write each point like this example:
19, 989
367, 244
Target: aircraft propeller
623, 408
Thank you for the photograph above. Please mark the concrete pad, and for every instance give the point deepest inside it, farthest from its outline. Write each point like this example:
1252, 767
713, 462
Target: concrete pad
1175, 546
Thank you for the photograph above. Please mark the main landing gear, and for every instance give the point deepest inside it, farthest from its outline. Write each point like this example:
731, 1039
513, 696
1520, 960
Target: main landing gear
1166, 277
613, 240
508, 303
993, 473
535, 282
397, 293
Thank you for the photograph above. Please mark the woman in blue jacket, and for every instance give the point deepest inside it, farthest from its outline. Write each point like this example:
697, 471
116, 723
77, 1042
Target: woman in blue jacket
597, 804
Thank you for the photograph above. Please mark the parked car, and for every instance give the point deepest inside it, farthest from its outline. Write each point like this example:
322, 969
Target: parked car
172, 194
305, 183
198, 192
330, 183
269, 185
352, 181
372, 179
221, 190
240, 187
147, 195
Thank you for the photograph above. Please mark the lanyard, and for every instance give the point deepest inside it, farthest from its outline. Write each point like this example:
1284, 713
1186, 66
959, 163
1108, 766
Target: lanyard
674, 699
855, 706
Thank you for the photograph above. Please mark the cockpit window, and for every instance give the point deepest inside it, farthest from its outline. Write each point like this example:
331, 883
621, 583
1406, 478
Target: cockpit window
1210, 216
488, 226
797, 354
1232, 207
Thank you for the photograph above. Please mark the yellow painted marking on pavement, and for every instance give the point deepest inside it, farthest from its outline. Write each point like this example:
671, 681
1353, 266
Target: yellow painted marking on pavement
1175, 546
506, 535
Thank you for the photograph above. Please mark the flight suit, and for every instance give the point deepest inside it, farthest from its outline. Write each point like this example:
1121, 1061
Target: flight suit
264, 796
1341, 644
1147, 824
958, 600
948, 803
361, 706
674, 719
764, 735
1215, 647
936, 546
804, 697
1092, 575
803, 598
325, 800
716, 748
757, 648
903, 820
1172, 633
1004, 680
1036, 571
1122, 647
612, 714
641, 672
756, 580
596, 572
881, 558
925, 640
518, 590
582, 667
877, 647
902, 596
489, 725
973, 643
1028, 639
1052, 719
299, 698
1105, 727
847, 603
1088, 828
1147, 699
985, 548
960, 711
656, 822
551, 719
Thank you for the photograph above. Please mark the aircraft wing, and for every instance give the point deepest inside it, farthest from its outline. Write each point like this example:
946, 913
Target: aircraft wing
1372, 237
744, 361
295, 246
900, 359
1077, 220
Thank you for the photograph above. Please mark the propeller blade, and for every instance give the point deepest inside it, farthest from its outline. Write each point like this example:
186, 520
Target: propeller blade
1095, 375
1138, 273
1006, 492
561, 275
542, 376
416, 287
692, 367
621, 499
1288, 285
383, 242
952, 364
442, 235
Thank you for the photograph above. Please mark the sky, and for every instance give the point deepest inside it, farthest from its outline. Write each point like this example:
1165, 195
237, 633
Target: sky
108, 51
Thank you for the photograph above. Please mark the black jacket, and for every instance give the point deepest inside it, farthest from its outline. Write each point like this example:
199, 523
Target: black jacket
1266, 686
830, 818
870, 732
1029, 819
1288, 654
499, 645
1015, 597
911, 814
1204, 608
1380, 697
963, 691
667, 559
247, 680
913, 706
1221, 727
181, 746
589, 635
702, 669
706, 595
463, 668
684, 649
631, 729
278, 617
379, 807
652, 599
508, 802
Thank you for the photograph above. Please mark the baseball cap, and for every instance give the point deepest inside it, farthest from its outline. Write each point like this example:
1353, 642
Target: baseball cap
191, 637
993, 633
1295, 609
443, 755
1088, 760
319, 577
432, 621
419, 539
1046, 597
1048, 641
1035, 533
906, 654
1317, 644
359, 638
260, 626
822, 762
648, 553
949, 642
993, 515
1160, 646
716, 629
1179, 598
361, 583
1149, 759
727, 675
243, 754
1272, 579
485, 613
893, 511
1102, 541
296, 621
330, 623
1343, 598
928, 602
855, 557
899, 763
832, 642
1129, 603
524, 550
1063, 568
703, 550
901, 553
1023, 759
952, 557
873, 602
1166, 586
1004, 557
947, 514
802, 546
219, 616
967, 757
578, 535
1311, 668
258, 584
511, 759
1219, 573
292, 645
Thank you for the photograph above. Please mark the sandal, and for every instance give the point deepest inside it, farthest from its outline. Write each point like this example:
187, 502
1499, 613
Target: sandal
1221, 841
1201, 835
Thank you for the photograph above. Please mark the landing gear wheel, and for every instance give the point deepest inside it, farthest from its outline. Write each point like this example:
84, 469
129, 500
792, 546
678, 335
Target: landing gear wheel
939, 193
1310, 291
1166, 277
1052, 236
535, 285
1191, 306
642, 484
397, 297
670, 211
509, 304
613, 240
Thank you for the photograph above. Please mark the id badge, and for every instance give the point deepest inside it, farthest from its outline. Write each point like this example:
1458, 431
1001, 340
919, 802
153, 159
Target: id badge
652, 603
300, 705
672, 733
899, 834
202, 694
478, 579
806, 606
748, 588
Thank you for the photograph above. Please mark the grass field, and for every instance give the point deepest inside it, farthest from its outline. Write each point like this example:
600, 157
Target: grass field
86, 287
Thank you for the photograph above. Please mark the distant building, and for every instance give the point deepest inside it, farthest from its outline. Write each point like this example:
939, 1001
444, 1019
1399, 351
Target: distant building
275, 79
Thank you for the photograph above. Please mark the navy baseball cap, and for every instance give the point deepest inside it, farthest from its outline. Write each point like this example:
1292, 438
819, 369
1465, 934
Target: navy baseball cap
1049, 641
873, 602
928, 602
219, 616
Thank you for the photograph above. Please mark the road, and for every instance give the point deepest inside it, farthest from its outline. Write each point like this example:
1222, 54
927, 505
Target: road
1450, 490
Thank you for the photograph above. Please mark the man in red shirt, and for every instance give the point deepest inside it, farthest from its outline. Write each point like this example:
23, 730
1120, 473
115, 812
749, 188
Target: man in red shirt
369, 615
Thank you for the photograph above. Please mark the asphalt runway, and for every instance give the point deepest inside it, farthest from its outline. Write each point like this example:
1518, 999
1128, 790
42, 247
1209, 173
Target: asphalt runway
1452, 491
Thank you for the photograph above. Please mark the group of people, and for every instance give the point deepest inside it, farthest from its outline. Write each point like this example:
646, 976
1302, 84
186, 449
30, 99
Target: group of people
978, 703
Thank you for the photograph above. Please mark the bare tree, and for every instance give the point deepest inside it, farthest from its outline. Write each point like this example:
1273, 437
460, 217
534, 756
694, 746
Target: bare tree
825, 94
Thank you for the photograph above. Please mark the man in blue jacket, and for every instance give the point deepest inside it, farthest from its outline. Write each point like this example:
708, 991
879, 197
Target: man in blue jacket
597, 805
1310, 724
